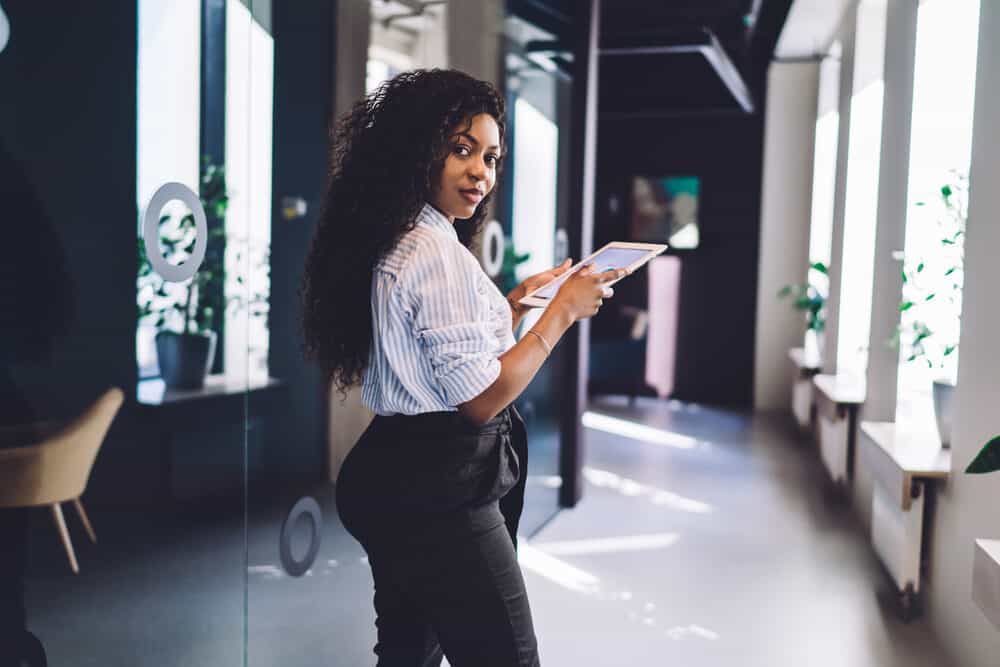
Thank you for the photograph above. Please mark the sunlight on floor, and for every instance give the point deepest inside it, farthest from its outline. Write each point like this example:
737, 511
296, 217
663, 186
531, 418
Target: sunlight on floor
604, 545
628, 429
630, 487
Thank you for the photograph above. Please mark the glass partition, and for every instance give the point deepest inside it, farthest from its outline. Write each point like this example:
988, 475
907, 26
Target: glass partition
536, 90
123, 423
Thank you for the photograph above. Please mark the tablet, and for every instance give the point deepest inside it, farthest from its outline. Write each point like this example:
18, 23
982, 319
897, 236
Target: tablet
615, 255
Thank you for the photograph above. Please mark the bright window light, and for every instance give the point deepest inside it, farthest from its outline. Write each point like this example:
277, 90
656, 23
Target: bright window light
536, 142
636, 431
630, 487
861, 197
607, 545
249, 118
168, 124
940, 146
557, 571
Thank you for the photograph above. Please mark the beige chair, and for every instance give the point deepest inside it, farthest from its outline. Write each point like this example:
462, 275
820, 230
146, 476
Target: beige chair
50, 463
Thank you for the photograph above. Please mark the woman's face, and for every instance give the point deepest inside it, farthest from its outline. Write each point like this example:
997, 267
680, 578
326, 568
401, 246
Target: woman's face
470, 170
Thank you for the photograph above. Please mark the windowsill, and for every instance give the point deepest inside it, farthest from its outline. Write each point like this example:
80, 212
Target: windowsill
153, 391
840, 389
898, 455
986, 579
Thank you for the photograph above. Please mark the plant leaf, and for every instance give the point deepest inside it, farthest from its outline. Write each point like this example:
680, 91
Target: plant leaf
820, 266
906, 305
988, 460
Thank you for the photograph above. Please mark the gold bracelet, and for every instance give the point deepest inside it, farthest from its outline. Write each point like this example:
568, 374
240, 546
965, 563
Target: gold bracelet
540, 337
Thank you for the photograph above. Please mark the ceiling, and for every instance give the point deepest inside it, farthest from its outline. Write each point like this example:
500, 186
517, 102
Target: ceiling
675, 57
670, 57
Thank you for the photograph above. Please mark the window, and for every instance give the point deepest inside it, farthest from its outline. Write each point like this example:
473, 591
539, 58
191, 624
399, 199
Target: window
940, 147
824, 173
167, 134
249, 118
861, 194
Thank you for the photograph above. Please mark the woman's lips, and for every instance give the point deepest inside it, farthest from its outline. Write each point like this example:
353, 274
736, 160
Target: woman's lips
472, 196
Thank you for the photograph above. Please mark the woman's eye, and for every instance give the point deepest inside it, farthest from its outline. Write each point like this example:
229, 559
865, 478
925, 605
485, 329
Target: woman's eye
464, 151
493, 160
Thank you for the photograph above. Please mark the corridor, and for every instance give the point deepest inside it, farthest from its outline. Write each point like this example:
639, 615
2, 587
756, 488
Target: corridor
709, 538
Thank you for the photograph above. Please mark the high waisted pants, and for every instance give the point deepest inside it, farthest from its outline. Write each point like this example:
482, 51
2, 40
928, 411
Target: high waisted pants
435, 501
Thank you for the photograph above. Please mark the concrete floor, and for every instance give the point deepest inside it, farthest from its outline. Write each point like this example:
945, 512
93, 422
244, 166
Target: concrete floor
721, 544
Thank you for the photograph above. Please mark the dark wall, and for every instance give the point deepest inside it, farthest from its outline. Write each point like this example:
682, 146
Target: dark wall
68, 214
67, 203
719, 280
303, 62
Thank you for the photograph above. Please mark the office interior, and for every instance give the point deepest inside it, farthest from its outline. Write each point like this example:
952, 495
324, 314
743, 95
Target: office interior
772, 447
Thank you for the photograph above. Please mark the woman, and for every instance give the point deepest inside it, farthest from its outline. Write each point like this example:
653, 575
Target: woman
393, 300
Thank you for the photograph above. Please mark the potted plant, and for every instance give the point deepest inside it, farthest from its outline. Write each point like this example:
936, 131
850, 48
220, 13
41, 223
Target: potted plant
810, 297
931, 308
186, 316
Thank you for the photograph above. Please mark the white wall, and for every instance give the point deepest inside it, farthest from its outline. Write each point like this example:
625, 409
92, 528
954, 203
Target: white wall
786, 204
970, 506
846, 37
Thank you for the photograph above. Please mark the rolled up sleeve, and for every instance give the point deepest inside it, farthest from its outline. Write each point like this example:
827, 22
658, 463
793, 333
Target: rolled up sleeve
450, 315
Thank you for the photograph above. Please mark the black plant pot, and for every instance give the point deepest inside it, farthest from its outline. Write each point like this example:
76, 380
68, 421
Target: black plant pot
185, 359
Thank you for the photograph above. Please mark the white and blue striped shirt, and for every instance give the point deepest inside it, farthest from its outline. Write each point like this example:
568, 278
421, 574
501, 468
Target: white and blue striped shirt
439, 323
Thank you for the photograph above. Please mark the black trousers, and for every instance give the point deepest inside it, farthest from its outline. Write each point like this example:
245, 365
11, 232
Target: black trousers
435, 502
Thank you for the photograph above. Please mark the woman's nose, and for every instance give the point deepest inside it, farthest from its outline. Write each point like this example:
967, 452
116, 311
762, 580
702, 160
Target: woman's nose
478, 170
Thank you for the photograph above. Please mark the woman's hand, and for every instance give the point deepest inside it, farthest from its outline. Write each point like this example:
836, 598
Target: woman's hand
529, 285
583, 294
532, 283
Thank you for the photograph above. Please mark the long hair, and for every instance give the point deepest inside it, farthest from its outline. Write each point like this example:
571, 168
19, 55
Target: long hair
386, 157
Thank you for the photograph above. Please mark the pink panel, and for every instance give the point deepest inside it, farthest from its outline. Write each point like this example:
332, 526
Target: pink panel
661, 338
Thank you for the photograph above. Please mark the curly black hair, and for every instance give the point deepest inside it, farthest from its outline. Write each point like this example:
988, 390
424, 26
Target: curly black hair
386, 157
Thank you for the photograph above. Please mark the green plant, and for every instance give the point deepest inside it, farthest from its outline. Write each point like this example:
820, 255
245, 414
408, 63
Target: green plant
988, 460
931, 308
810, 297
508, 268
195, 305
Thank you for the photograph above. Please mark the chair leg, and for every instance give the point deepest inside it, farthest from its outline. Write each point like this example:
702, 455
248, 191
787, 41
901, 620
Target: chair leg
57, 516
85, 520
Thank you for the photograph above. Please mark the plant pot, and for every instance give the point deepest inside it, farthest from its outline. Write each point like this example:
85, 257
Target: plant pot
944, 410
185, 359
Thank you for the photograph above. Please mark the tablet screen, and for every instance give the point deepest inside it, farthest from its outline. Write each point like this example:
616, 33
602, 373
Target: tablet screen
610, 258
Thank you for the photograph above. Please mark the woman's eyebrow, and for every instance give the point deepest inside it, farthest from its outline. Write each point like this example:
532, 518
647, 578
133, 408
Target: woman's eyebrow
476, 141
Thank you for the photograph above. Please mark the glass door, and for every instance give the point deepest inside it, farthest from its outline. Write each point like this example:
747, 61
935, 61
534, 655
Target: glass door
128, 344
536, 92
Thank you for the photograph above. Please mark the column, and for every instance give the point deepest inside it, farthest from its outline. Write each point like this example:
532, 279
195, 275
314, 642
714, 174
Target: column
883, 361
583, 176
847, 31
786, 202
475, 47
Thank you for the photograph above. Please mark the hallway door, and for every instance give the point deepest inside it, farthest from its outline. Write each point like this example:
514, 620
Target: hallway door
130, 343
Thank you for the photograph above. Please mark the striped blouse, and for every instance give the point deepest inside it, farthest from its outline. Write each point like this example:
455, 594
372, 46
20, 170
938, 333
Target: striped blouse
439, 323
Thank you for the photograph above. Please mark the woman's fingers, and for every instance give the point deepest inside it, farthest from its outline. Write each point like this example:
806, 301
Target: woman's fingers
608, 293
562, 268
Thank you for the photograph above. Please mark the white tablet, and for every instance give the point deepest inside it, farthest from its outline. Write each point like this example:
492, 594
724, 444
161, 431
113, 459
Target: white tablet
615, 255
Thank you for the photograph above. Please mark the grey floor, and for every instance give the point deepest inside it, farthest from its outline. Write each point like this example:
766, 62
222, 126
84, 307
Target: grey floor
719, 545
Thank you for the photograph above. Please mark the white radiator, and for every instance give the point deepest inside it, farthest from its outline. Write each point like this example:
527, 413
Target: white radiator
833, 434
802, 400
986, 579
896, 534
